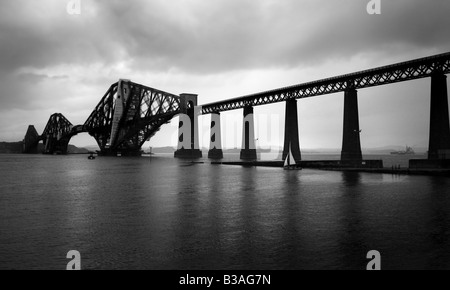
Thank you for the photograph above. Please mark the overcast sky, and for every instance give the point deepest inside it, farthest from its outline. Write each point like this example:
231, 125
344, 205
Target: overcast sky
51, 61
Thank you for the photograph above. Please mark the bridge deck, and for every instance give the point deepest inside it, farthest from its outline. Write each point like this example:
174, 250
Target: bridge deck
404, 71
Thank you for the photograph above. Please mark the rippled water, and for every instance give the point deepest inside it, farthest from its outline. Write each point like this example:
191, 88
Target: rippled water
160, 213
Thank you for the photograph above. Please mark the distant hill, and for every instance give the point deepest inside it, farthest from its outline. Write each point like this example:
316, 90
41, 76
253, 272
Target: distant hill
92, 148
72, 149
11, 147
16, 148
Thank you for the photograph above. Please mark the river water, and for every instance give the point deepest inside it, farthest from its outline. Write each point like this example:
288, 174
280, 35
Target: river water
163, 213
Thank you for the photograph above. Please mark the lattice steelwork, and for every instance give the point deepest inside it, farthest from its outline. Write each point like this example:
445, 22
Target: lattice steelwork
56, 134
415, 69
99, 122
145, 110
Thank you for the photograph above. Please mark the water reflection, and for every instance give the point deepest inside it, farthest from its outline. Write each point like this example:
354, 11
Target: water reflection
292, 244
246, 228
439, 223
187, 231
351, 178
216, 217
352, 245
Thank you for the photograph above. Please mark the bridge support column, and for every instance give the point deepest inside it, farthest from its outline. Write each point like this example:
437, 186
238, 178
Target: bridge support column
291, 131
248, 151
351, 144
439, 139
49, 144
215, 148
188, 145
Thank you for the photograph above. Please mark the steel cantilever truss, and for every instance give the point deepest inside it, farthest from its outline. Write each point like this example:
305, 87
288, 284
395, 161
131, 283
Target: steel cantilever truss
145, 110
99, 122
57, 134
410, 70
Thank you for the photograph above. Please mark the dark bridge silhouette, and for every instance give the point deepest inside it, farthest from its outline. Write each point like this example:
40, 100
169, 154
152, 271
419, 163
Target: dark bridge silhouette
126, 116
123, 126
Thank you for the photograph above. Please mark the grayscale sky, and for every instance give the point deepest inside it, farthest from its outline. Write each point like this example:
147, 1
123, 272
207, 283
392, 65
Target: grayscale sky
51, 61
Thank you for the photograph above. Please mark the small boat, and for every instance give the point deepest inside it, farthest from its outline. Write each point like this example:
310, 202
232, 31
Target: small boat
289, 162
91, 157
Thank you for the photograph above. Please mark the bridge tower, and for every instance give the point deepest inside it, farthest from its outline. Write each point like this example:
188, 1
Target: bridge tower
248, 151
439, 139
188, 144
215, 148
56, 134
31, 141
351, 144
291, 131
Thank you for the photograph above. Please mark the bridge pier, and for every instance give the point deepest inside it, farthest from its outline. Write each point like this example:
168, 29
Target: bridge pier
291, 131
215, 148
439, 139
188, 144
55, 145
351, 144
248, 151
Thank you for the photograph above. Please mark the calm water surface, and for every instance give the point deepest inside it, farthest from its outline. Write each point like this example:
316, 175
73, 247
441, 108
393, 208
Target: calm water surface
159, 213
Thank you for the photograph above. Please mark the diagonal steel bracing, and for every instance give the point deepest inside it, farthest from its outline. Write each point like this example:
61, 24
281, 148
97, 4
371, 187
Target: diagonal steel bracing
143, 111
404, 71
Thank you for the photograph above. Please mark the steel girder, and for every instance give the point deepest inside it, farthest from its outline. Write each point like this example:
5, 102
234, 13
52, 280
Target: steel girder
145, 110
404, 71
98, 124
57, 134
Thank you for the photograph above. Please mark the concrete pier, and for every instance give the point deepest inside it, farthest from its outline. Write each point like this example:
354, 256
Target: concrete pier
248, 151
291, 131
351, 144
215, 148
439, 139
188, 145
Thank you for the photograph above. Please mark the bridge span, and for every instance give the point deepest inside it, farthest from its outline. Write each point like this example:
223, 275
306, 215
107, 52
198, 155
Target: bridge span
130, 114
126, 116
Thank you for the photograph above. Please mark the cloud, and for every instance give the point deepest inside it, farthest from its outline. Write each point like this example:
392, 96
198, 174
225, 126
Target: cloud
219, 36
206, 37
36, 78
42, 34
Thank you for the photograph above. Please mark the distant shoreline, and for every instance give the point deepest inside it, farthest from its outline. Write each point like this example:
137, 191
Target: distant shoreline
16, 148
